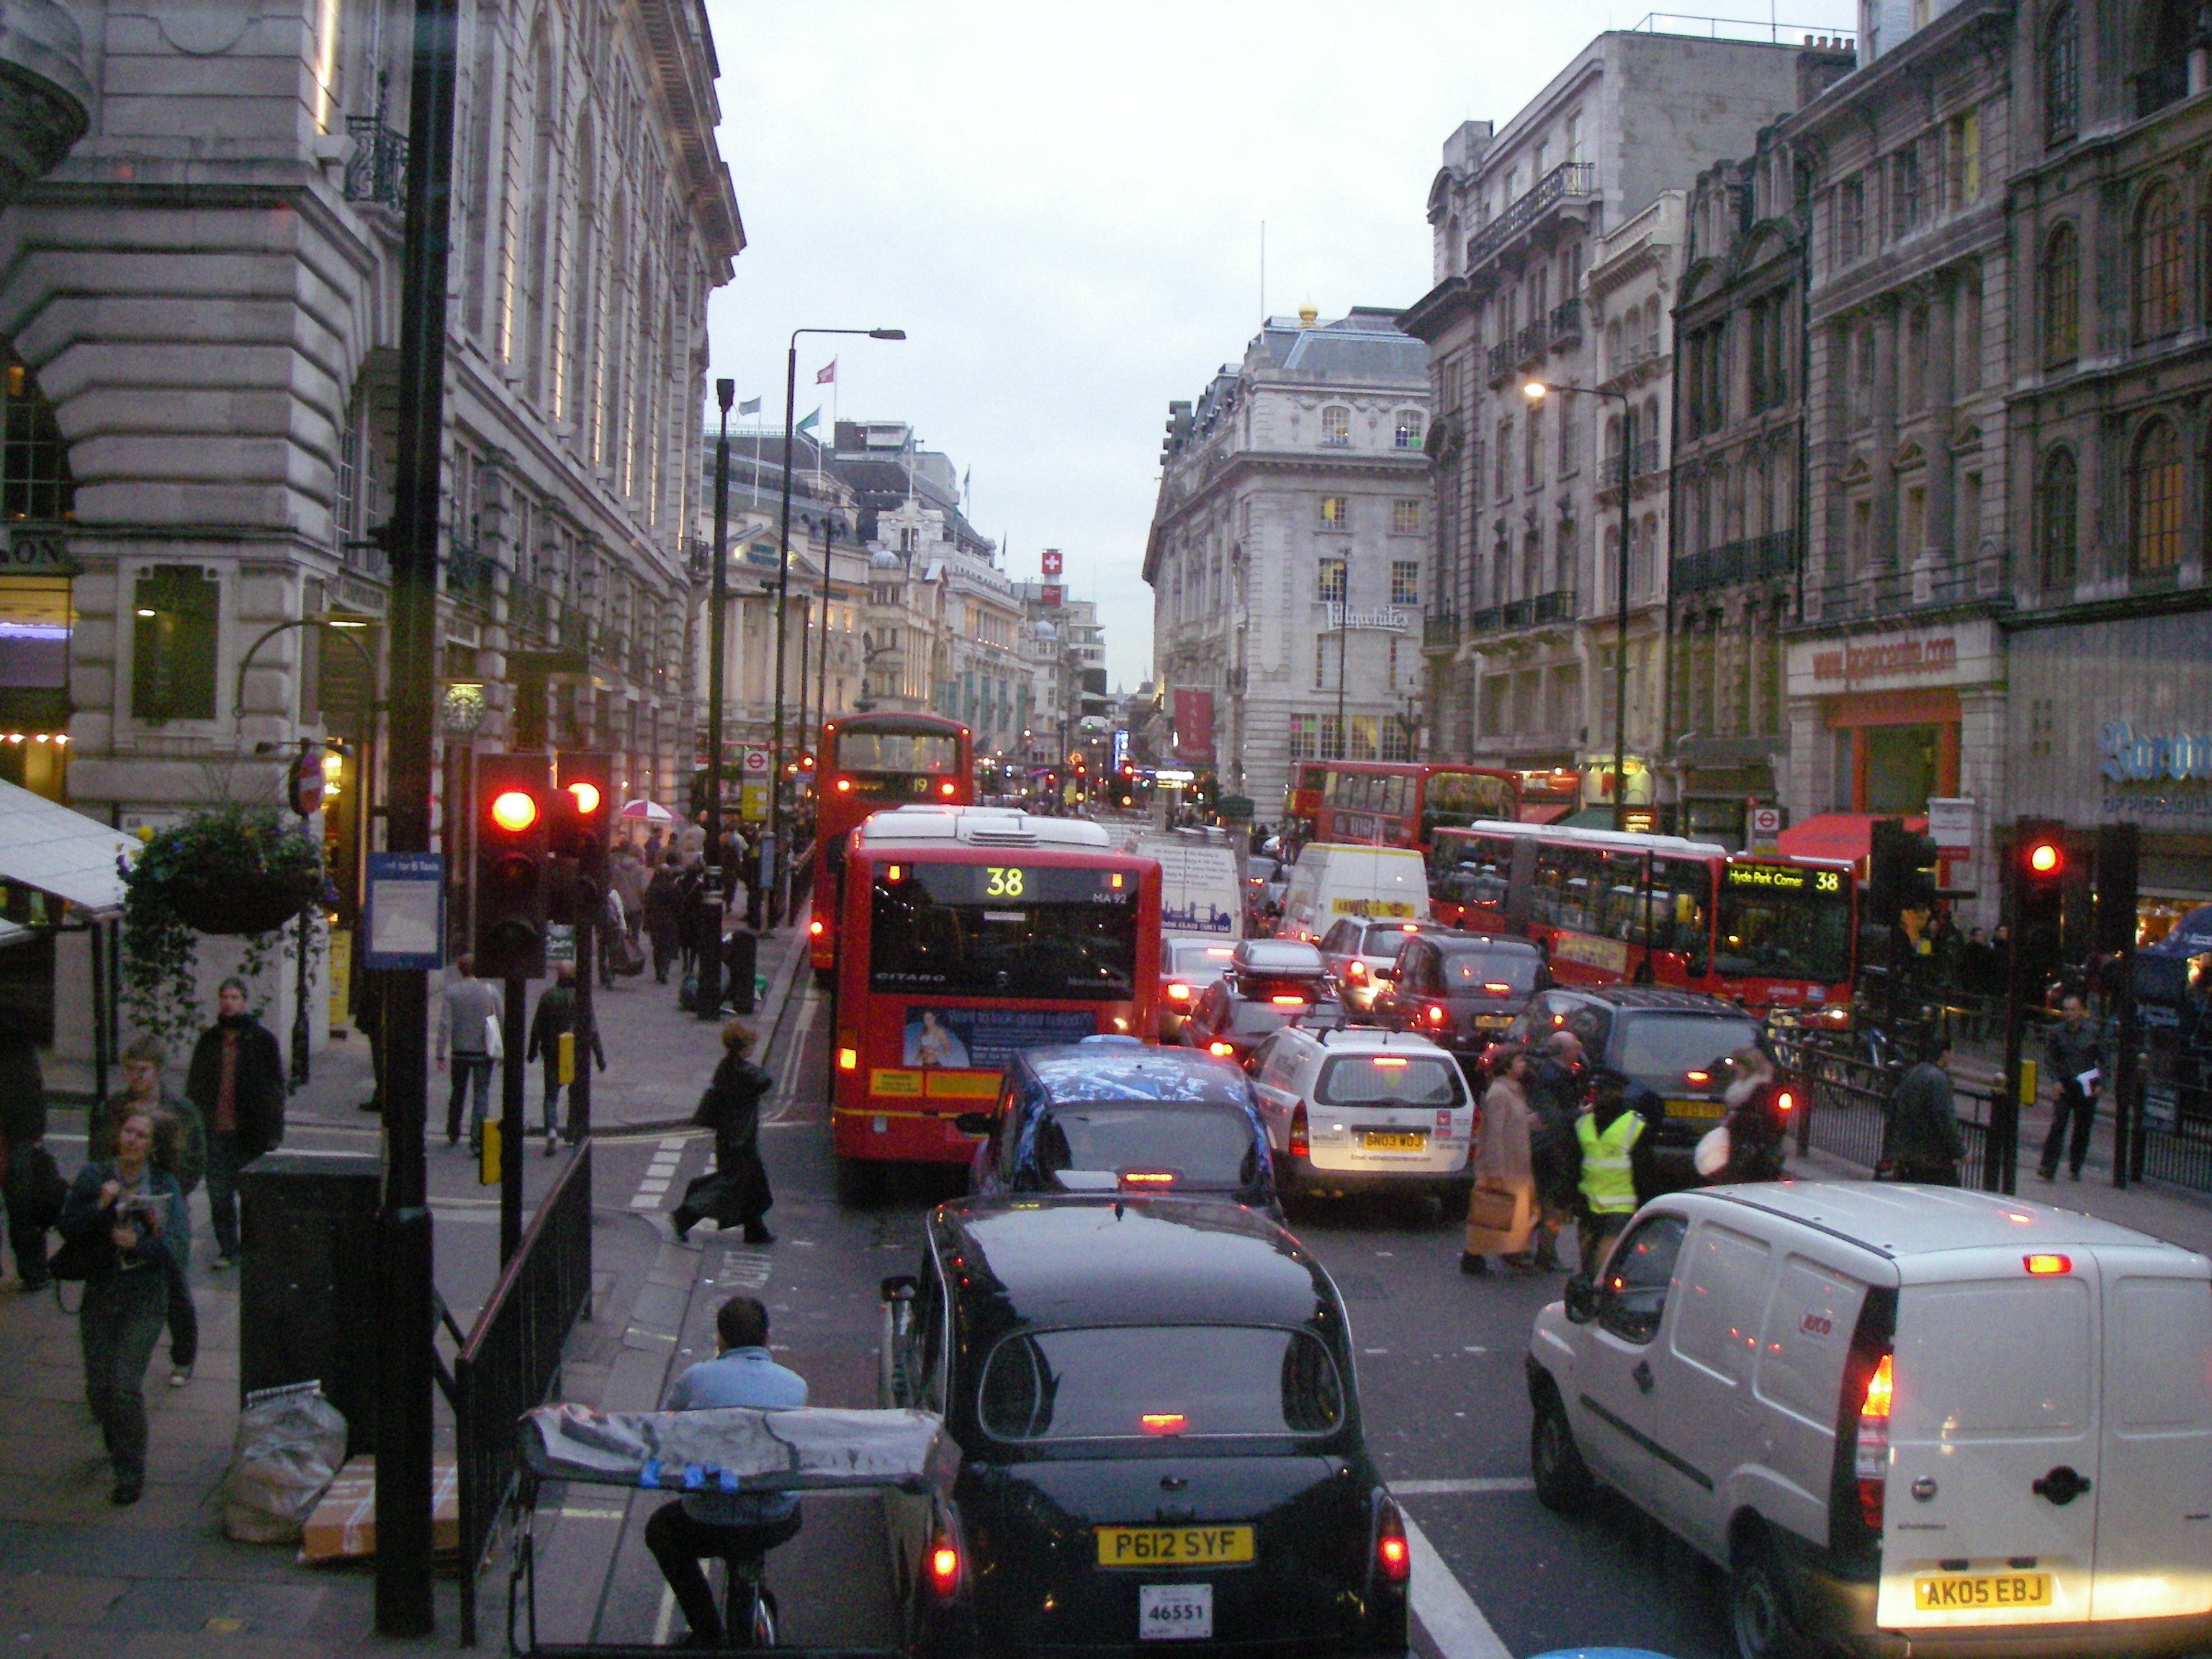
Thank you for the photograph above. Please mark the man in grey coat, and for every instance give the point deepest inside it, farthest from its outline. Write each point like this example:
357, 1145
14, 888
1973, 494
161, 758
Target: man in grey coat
1923, 1142
466, 1005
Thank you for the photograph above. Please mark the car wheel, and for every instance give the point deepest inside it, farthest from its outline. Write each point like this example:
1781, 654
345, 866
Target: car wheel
1563, 1479
1759, 1603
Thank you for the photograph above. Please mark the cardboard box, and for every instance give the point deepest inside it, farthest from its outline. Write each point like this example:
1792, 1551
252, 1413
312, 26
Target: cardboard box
343, 1526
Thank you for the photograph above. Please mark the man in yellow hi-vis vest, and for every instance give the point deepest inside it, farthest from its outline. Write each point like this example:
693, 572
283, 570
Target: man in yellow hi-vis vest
1610, 1134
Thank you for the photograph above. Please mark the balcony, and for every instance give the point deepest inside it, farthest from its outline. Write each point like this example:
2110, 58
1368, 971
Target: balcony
2154, 88
1545, 610
1752, 559
1439, 633
1566, 323
1502, 362
1926, 587
1556, 606
1569, 180
1529, 344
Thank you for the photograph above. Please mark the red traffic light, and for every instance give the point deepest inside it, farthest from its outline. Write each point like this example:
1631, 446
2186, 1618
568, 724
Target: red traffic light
514, 810
2046, 858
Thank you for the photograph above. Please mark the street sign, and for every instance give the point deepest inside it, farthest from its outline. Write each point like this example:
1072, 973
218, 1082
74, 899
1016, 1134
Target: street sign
1951, 826
756, 763
305, 790
406, 911
1766, 822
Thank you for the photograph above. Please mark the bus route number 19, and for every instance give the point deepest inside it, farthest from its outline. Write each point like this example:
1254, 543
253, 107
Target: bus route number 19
1002, 881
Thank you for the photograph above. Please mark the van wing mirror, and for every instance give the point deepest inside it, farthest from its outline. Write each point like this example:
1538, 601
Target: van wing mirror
1581, 1299
901, 1287
974, 1123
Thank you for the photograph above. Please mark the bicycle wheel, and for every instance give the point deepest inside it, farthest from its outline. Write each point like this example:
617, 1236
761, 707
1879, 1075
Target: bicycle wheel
764, 1618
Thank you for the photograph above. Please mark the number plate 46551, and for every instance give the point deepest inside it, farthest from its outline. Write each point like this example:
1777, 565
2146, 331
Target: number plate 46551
1174, 1613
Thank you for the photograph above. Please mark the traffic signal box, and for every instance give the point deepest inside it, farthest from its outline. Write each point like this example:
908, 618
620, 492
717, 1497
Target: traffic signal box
2038, 872
581, 817
513, 865
1900, 873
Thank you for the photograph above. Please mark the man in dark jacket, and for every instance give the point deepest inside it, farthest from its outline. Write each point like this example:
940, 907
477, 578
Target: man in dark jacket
2076, 1058
237, 1080
1977, 980
554, 1017
1921, 1142
1554, 1089
22, 1126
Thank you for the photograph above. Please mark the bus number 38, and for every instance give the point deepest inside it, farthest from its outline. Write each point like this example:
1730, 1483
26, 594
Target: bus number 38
1003, 881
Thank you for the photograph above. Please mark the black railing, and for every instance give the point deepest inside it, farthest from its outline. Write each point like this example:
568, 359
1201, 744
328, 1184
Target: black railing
1502, 361
1439, 632
1566, 321
1488, 620
1848, 1115
1530, 342
1558, 605
1886, 593
1568, 178
1752, 559
511, 1358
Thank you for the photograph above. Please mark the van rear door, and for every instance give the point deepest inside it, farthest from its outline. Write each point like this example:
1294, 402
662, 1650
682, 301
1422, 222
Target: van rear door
2154, 1501
1991, 1503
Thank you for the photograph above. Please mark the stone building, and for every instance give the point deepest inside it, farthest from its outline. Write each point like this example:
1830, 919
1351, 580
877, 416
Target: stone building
1288, 556
1515, 213
200, 315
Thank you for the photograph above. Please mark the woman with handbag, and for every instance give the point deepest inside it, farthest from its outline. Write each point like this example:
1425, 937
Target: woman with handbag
737, 1194
1501, 1208
180, 1148
116, 1226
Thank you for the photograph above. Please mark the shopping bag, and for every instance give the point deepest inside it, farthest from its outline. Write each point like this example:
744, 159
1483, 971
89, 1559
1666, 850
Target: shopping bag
494, 1039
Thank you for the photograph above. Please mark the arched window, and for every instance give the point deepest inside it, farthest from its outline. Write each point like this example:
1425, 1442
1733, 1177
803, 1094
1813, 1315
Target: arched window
2062, 298
2059, 503
2154, 499
2062, 75
2158, 264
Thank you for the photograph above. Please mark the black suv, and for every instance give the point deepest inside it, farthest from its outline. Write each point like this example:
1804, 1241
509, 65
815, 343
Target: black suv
1460, 990
1676, 1043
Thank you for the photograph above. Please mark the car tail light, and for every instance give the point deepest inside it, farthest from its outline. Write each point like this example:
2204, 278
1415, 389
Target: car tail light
1436, 1014
816, 928
1288, 1002
1873, 1464
1301, 1141
1785, 1101
1394, 1557
944, 1566
1148, 1178
1356, 969
1696, 1077
844, 785
1497, 988
1220, 1049
1178, 993
1163, 1422
1391, 1062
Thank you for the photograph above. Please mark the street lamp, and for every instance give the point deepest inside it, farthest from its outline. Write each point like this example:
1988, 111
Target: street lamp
783, 598
1536, 391
708, 1001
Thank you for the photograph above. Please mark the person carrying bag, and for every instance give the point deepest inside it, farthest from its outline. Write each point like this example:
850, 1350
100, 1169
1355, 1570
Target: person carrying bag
736, 1193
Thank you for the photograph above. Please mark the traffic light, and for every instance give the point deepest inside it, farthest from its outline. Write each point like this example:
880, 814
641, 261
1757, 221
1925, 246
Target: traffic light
1900, 874
584, 806
2039, 871
513, 865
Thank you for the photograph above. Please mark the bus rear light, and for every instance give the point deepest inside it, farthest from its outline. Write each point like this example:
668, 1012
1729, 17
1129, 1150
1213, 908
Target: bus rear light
1163, 1422
816, 928
848, 1059
1394, 1557
943, 1567
947, 789
1301, 1140
1436, 1014
844, 785
1872, 1468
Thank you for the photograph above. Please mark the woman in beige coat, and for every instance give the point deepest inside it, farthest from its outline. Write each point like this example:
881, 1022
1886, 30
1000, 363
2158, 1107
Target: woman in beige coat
1501, 1210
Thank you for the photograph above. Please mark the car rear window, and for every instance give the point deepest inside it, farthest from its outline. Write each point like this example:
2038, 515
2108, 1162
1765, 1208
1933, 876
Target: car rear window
1196, 959
1256, 1018
1205, 1146
1658, 1049
1385, 941
1380, 1079
1471, 970
1139, 1382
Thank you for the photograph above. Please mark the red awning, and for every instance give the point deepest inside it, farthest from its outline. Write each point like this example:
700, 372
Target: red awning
1846, 835
1546, 811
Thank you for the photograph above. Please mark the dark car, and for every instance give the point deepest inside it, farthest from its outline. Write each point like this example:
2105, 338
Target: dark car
1676, 1043
1460, 990
1108, 1117
1156, 1409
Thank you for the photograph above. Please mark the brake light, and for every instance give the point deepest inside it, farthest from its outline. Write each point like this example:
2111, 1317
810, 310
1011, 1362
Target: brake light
1163, 1422
1288, 1002
848, 1059
1148, 1178
1178, 993
844, 785
1301, 1141
1497, 988
1437, 1015
2043, 1265
816, 928
1696, 1077
944, 1566
1223, 1051
945, 789
1356, 971
1392, 1060
1785, 1103
1872, 1465
1394, 1557
1409, 926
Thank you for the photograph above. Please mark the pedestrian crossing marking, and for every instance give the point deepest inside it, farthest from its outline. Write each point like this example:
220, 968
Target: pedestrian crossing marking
746, 1270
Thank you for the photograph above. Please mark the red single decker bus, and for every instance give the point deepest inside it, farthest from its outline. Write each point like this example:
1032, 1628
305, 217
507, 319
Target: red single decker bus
969, 935
868, 762
1397, 803
1610, 906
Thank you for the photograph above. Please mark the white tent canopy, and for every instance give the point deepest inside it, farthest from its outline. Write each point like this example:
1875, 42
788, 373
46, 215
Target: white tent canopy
60, 851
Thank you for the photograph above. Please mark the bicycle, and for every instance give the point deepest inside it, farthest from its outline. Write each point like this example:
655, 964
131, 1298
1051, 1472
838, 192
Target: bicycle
750, 1615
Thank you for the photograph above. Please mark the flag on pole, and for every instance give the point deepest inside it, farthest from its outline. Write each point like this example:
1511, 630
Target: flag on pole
811, 422
827, 374
751, 407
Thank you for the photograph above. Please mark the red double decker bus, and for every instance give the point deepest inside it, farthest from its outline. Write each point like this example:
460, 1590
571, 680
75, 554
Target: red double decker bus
1396, 803
1608, 906
969, 935
865, 763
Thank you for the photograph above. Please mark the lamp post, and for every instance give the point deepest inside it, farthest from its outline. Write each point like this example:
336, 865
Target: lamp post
708, 1003
775, 851
1536, 391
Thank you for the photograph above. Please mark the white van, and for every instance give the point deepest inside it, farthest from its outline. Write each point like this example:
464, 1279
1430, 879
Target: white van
1332, 880
1201, 892
1908, 1420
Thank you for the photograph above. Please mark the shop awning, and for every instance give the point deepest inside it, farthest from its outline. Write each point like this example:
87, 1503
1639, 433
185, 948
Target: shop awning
1546, 811
1845, 836
59, 851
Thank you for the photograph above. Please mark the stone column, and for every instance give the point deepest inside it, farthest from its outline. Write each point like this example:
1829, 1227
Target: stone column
1940, 370
1881, 532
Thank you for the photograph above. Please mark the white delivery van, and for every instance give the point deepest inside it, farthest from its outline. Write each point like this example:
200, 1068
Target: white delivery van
1908, 1420
1201, 892
1332, 880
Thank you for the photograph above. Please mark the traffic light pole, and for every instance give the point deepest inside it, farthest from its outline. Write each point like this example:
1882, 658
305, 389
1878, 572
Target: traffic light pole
511, 1071
2001, 1147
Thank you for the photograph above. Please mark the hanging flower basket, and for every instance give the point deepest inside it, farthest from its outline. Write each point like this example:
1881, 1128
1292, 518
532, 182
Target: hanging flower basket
241, 909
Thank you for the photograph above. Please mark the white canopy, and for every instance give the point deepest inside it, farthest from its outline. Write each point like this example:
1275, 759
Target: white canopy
60, 851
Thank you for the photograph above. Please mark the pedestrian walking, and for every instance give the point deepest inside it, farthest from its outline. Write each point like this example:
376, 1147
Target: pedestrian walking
467, 1010
1554, 1085
122, 1215
663, 915
1921, 1142
2075, 1055
236, 1080
1615, 1171
180, 1149
23, 1155
737, 1194
554, 1017
1978, 981
1752, 1125
1501, 1208
630, 878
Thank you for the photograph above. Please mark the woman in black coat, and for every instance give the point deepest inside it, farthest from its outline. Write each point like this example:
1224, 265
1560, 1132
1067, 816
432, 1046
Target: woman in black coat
737, 1194
664, 914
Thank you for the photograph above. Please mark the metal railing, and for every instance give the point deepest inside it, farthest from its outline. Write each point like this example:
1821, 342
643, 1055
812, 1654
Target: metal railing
1566, 321
1439, 631
1925, 587
1848, 1115
510, 1360
1503, 361
1755, 557
1566, 179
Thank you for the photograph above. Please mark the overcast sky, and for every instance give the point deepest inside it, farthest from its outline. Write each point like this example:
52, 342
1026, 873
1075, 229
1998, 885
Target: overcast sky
1060, 201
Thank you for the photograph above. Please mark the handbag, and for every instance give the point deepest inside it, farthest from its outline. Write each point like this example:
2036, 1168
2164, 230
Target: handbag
80, 1258
46, 1190
1712, 1154
494, 1038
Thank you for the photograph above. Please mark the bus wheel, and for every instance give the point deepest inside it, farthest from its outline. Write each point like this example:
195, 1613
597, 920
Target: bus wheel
860, 1183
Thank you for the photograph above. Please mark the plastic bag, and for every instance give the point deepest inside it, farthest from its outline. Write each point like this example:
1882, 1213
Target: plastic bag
290, 1445
1713, 1152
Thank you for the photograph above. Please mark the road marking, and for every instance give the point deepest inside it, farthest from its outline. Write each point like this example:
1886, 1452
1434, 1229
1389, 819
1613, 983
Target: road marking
665, 1618
1476, 1485
747, 1269
1446, 1612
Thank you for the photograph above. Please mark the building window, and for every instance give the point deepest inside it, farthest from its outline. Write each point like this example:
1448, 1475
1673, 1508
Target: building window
34, 469
2060, 507
2062, 298
1306, 737
2158, 264
1329, 660
1503, 459
1363, 737
1850, 220
2155, 501
1407, 433
1336, 427
1904, 191
1966, 159
2062, 75
1405, 581
173, 644
1406, 518
1336, 512
1331, 588
1397, 741
1532, 459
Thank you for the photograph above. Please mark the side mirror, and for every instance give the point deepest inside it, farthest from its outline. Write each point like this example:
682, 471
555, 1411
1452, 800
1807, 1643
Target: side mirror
1581, 1299
974, 1123
901, 1287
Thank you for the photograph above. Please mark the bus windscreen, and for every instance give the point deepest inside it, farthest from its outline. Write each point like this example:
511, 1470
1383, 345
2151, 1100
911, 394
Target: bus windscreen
1782, 921
904, 752
1044, 931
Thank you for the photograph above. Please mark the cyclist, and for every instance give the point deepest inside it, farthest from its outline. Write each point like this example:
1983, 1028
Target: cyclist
734, 1526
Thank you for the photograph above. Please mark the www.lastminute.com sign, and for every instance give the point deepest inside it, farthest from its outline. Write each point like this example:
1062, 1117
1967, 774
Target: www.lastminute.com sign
1387, 621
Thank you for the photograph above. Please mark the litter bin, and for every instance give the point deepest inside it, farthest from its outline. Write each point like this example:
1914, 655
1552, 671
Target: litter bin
307, 1307
740, 956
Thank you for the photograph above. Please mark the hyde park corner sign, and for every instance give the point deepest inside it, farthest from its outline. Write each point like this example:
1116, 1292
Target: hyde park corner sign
1965, 653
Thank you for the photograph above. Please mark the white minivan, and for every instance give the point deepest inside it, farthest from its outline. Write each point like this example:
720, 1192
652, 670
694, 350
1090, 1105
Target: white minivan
1908, 1420
1332, 880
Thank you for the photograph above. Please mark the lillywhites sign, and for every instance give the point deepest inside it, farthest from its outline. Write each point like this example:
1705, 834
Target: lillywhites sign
1387, 621
2131, 756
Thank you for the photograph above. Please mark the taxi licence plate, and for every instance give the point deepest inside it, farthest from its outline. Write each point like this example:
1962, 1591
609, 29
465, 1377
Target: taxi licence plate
1957, 1592
1180, 1546
1697, 1108
1383, 1141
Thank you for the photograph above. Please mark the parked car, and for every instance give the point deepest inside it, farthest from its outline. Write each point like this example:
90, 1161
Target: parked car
1187, 966
1108, 1117
1879, 1407
1463, 990
1157, 1411
1362, 1110
1271, 983
1358, 953
1676, 1043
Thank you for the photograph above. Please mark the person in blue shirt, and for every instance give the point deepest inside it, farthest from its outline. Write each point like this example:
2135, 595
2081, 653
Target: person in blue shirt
729, 1525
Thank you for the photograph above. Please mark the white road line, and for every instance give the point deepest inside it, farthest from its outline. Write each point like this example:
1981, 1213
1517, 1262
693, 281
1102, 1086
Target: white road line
645, 1202
665, 1618
1475, 1485
1455, 1624
676, 1143
653, 1188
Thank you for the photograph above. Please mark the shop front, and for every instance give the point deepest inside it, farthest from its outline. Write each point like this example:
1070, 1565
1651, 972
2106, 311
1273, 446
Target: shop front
36, 616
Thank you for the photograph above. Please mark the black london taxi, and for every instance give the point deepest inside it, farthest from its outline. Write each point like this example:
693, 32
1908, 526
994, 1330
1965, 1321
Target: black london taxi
1158, 1423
